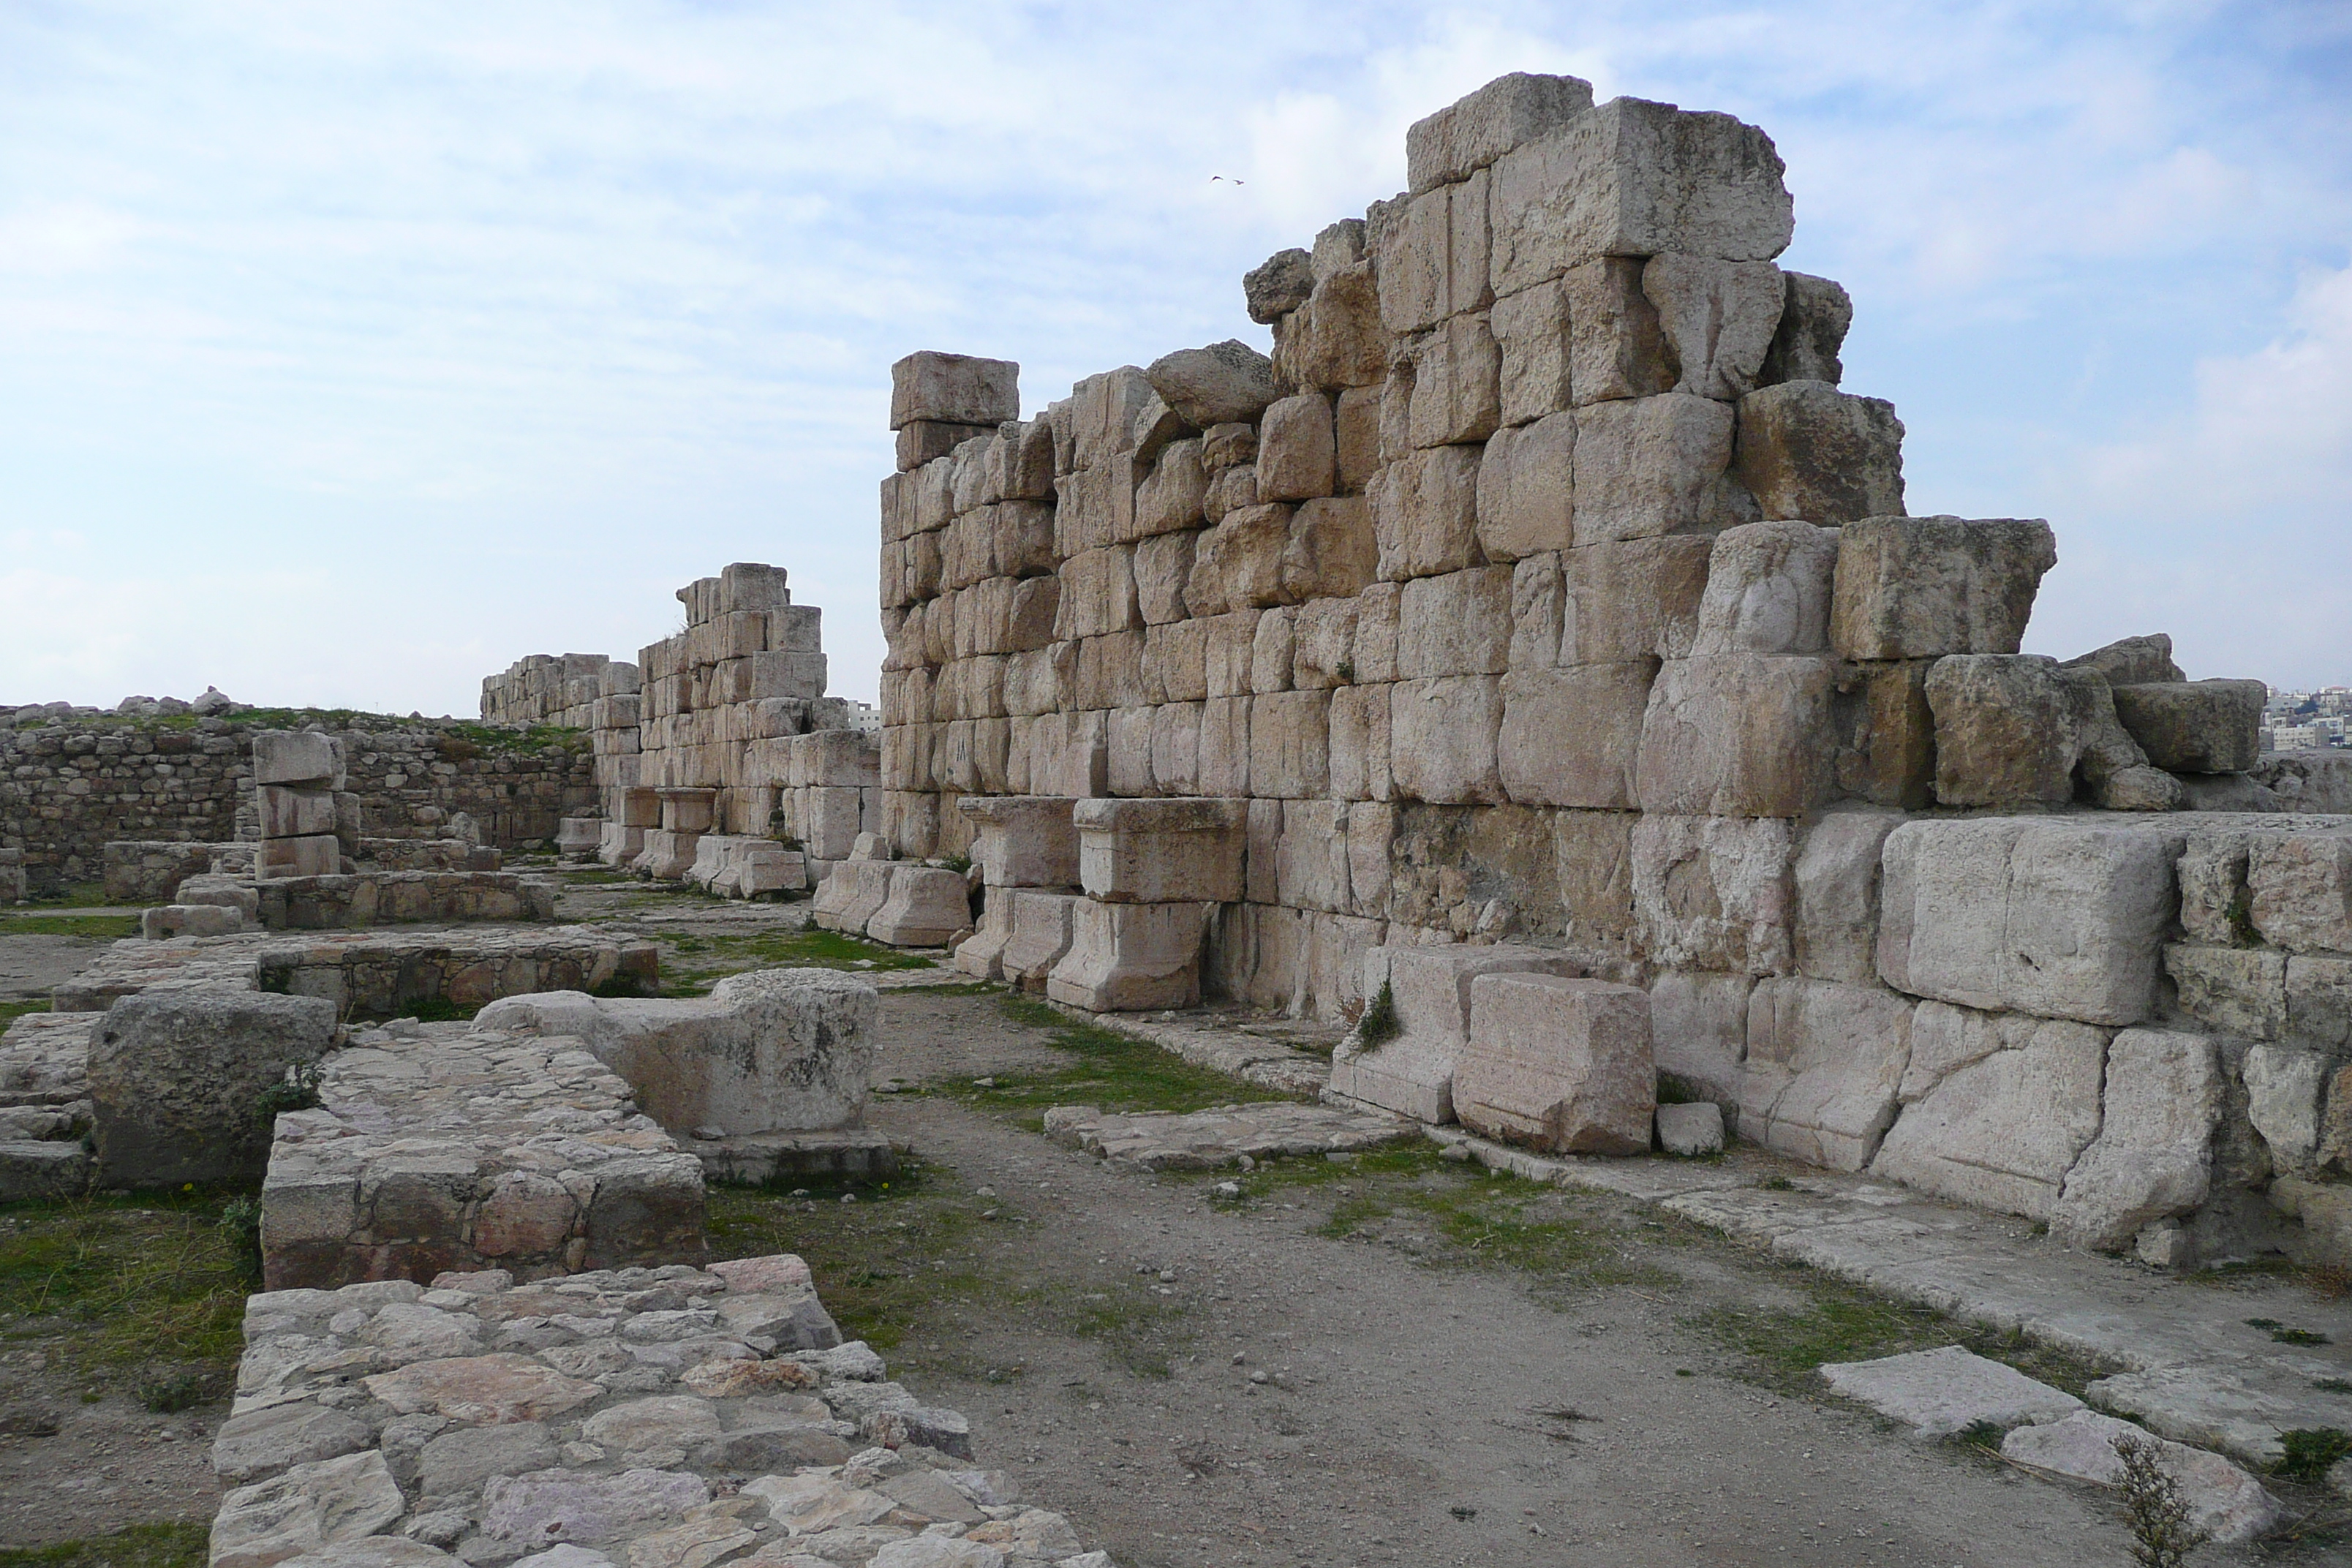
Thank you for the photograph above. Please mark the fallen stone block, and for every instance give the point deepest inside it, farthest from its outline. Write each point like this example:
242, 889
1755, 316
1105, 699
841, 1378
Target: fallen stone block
1404, 1059
1161, 851
927, 907
2194, 726
165, 922
176, 1081
768, 1051
1691, 1131
1207, 1139
1559, 1063
2224, 1502
1944, 1392
1132, 957
1223, 384
851, 894
1920, 587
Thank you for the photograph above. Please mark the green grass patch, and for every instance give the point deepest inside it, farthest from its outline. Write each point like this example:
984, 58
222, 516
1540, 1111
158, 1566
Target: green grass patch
440, 1010
12, 1010
108, 927
180, 1544
2312, 1452
134, 1290
1115, 1072
1783, 1350
75, 896
815, 949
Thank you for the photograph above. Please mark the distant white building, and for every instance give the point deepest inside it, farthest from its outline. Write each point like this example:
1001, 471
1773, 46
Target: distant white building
864, 716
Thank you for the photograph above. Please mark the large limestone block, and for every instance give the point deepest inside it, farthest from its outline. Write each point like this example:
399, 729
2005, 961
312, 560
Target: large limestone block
1411, 1072
1637, 178
1237, 565
1298, 450
324, 1512
1225, 747
1176, 749
313, 855
1101, 411
2007, 729
2286, 1089
768, 1051
2064, 919
1999, 1106
2194, 726
1458, 623
1331, 551
1943, 1391
1170, 498
1042, 924
1161, 851
2299, 889
1223, 384
1132, 957
1456, 384
954, 389
1098, 594
1714, 892
1360, 743
1918, 587
1736, 735
1335, 339
927, 907
1323, 643
850, 895
1814, 315
1527, 490
1471, 133
1278, 284
1571, 736
1290, 745
1767, 590
1162, 565
1837, 896
2238, 991
1698, 1032
2153, 1157
1719, 316
1651, 466
2224, 1502
1637, 598
1310, 856
1023, 841
1442, 739
1431, 255
1532, 333
1426, 512
296, 757
1808, 450
174, 1076
1559, 1063
1823, 1069
287, 812
1616, 347
982, 954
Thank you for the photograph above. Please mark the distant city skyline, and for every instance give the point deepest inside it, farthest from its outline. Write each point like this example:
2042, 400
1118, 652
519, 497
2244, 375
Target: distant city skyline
352, 354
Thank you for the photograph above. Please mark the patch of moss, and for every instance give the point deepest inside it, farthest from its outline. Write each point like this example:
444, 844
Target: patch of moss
1115, 1072
178, 1544
107, 928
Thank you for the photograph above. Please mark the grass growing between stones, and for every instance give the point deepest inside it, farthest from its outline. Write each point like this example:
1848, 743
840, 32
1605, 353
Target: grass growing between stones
907, 1266
108, 927
1117, 1073
815, 949
74, 895
1784, 1348
12, 1010
179, 1545
142, 1292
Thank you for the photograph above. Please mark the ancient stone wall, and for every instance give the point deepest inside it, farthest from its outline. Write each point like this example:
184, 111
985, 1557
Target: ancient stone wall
69, 787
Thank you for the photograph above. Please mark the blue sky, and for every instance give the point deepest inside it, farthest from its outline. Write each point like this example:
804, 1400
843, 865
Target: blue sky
349, 351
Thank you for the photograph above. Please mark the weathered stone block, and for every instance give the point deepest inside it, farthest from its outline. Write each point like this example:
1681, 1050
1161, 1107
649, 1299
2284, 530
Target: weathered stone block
1412, 1073
1456, 384
1824, 1062
1273, 649
175, 1077
1999, 1106
1176, 748
1223, 384
850, 894
1471, 133
1238, 564
1886, 734
1918, 587
287, 812
1360, 743
1808, 450
2319, 1001
1426, 512
1323, 643
1637, 178
1442, 735
1714, 892
1559, 1063
1814, 316
1161, 851
1298, 450
314, 854
2194, 726
296, 757
1527, 490
1736, 735
955, 389
1616, 347
2299, 889
1767, 590
1718, 318
1290, 737
1432, 259
1170, 498
1698, 1032
2238, 991
1335, 339
1531, 332
1132, 957
1455, 624
2060, 919
2006, 729
2153, 1156
1331, 551
927, 907
1570, 736
1837, 875
1023, 841
1650, 466
1042, 924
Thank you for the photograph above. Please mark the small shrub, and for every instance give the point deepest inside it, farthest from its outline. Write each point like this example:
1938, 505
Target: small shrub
1380, 1025
2153, 1511
1777, 1184
2300, 1337
1346, 671
298, 1090
168, 1392
240, 1227
2312, 1452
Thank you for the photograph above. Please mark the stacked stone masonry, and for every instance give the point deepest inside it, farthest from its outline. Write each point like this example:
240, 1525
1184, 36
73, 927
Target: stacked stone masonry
1544, 593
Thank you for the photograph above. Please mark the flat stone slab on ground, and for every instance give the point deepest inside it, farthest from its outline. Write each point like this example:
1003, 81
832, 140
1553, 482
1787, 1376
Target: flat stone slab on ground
2223, 1499
1940, 1392
758, 1157
1204, 1140
45, 1059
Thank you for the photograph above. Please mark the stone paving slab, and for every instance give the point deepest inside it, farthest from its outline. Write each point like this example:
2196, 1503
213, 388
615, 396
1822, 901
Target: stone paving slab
45, 1108
45, 1059
441, 1145
1222, 1135
670, 1417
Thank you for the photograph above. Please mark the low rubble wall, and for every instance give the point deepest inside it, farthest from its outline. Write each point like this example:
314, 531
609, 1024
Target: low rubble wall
358, 900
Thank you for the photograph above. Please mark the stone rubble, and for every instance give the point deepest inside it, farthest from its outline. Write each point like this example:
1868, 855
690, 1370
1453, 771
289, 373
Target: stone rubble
652, 1416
